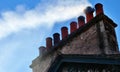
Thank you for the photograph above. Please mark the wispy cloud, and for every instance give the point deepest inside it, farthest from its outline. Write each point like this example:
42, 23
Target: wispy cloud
17, 52
44, 14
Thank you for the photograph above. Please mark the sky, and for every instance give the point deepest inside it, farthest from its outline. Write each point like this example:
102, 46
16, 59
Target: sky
25, 24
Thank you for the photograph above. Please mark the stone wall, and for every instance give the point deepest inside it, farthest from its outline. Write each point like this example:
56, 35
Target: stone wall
85, 43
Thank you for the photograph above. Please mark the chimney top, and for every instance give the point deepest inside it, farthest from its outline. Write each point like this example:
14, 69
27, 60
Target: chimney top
48, 38
73, 22
41, 47
81, 18
98, 5
48, 42
56, 37
41, 50
56, 34
73, 26
64, 32
89, 10
99, 8
64, 27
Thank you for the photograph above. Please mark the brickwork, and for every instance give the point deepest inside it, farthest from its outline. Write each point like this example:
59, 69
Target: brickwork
85, 43
108, 49
42, 64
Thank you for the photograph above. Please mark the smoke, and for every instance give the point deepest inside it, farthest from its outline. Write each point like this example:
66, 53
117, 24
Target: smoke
45, 14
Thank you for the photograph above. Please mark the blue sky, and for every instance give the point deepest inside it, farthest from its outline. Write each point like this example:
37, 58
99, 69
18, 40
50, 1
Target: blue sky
24, 25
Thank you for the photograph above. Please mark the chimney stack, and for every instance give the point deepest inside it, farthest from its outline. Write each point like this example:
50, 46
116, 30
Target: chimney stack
99, 8
41, 50
56, 37
89, 13
64, 32
81, 21
73, 26
48, 42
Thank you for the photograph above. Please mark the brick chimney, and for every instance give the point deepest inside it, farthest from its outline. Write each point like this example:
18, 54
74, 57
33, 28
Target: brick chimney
48, 42
73, 26
64, 32
99, 8
56, 37
81, 21
89, 13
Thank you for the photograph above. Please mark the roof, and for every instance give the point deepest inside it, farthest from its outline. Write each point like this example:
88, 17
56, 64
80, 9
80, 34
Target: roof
92, 22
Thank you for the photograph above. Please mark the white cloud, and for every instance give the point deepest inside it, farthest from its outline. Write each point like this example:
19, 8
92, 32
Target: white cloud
44, 14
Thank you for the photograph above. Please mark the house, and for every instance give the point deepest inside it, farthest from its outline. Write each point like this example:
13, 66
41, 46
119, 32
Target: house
90, 46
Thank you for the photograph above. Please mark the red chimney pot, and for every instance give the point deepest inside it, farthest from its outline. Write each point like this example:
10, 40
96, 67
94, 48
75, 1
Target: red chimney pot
56, 37
89, 13
73, 26
99, 8
81, 21
64, 32
48, 42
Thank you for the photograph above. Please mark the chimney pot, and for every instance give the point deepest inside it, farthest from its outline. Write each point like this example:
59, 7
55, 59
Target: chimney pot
64, 32
42, 50
99, 8
81, 21
48, 42
73, 26
56, 37
89, 13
